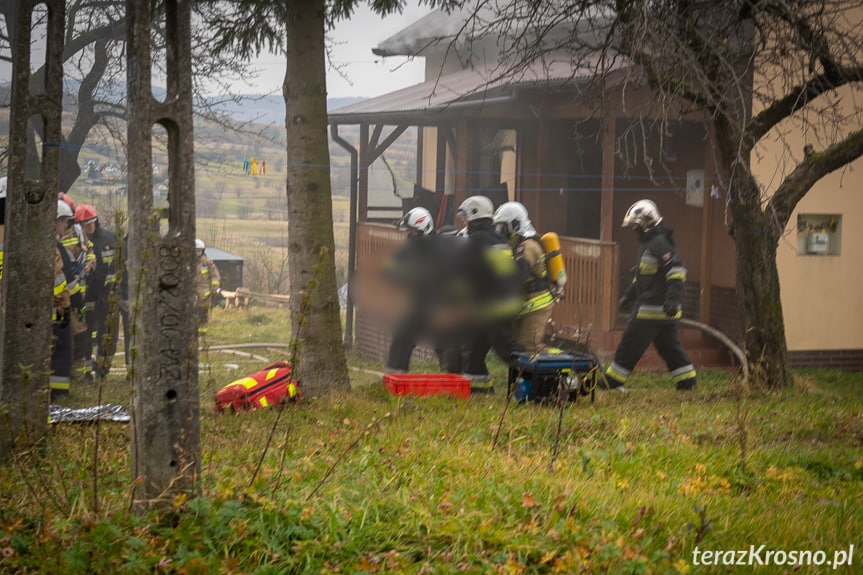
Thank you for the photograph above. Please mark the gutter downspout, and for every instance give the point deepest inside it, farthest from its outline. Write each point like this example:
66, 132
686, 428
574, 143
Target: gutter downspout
352, 233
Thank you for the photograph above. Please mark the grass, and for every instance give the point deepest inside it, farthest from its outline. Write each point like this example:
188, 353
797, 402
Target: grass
366, 482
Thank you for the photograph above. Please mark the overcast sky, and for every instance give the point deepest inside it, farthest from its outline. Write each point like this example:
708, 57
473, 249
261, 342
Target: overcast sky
365, 75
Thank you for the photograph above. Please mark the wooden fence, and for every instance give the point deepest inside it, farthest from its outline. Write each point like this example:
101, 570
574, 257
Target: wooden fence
592, 267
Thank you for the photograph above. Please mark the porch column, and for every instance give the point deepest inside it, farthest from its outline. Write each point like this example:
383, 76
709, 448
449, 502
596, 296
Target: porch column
440, 159
363, 175
532, 201
606, 224
460, 190
707, 232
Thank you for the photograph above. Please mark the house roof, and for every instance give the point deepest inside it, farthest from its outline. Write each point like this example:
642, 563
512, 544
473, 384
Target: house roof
218, 255
426, 32
467, 88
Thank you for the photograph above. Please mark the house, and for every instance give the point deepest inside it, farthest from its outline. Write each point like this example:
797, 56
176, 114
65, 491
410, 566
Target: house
230, 268
577, 155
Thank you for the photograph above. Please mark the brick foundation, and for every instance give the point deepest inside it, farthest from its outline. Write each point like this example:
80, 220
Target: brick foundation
844, 359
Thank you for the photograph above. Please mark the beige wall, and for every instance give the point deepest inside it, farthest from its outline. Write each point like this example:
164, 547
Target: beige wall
821, 294
822, 299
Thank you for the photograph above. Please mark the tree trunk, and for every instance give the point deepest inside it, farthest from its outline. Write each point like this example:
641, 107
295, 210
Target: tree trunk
166, 431
25, 317
757, 282
315, 320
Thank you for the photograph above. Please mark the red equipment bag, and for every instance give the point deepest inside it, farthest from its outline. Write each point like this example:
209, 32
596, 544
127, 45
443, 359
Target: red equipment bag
270, 387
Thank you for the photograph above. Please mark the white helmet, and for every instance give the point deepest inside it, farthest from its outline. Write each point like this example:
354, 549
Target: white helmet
2, 187
64, 210
476, 207
642, 213
511, 218
199, 245
419, 219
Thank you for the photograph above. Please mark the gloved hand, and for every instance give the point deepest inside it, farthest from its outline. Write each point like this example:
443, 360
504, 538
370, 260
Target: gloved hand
623, 304
670, 307
67, 314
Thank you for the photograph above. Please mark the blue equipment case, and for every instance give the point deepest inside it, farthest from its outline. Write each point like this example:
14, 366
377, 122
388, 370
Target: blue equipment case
538, 377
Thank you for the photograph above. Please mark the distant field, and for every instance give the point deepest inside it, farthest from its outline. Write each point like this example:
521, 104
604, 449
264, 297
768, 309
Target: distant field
242, 214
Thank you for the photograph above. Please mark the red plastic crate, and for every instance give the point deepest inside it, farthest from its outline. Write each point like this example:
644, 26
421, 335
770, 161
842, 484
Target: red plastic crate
428, 384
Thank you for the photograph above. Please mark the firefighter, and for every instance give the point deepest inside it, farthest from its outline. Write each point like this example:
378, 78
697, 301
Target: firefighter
657, 294
498, 287
80, 251
100, 285
511, 221
412, 267
208, 286
61, 350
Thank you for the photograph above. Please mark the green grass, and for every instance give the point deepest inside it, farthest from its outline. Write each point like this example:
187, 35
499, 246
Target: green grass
366, 482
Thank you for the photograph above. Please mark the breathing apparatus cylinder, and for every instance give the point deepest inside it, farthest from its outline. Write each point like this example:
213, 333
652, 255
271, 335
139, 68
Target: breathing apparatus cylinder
553, 258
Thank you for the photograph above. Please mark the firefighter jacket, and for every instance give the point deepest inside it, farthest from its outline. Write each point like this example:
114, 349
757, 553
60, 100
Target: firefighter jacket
494, 274
100, 282
208, 280
530, 258
659, 277
422, 268
61, 291
80, 260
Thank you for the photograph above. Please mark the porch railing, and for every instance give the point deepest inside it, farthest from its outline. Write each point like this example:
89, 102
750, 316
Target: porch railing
591, 291
592, 267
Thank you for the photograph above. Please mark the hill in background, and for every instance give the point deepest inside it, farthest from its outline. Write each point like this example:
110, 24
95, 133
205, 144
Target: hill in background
241, 213
270, 109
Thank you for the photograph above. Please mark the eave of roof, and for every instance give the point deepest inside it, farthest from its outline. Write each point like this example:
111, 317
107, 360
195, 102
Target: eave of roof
467, 88
426, 32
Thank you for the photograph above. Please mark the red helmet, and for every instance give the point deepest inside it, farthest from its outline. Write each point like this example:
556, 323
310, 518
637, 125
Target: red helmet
85, 213
65, 197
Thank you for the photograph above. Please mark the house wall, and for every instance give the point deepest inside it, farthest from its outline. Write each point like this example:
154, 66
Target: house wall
821, 296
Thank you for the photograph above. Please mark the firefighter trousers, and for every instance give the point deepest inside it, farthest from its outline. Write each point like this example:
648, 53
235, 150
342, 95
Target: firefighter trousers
99, 325
61, 359
529, 332
637, 336
497, 336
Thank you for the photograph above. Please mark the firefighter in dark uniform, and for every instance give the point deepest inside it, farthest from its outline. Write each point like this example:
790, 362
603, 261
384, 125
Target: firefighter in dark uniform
414, 267
657, 294
498, 287
78, 249
100, 284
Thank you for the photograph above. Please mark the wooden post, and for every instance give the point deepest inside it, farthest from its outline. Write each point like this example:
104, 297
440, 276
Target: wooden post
440, 159
706, 233
363, 175
31, 212
166, 435
607, 223
460, 192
